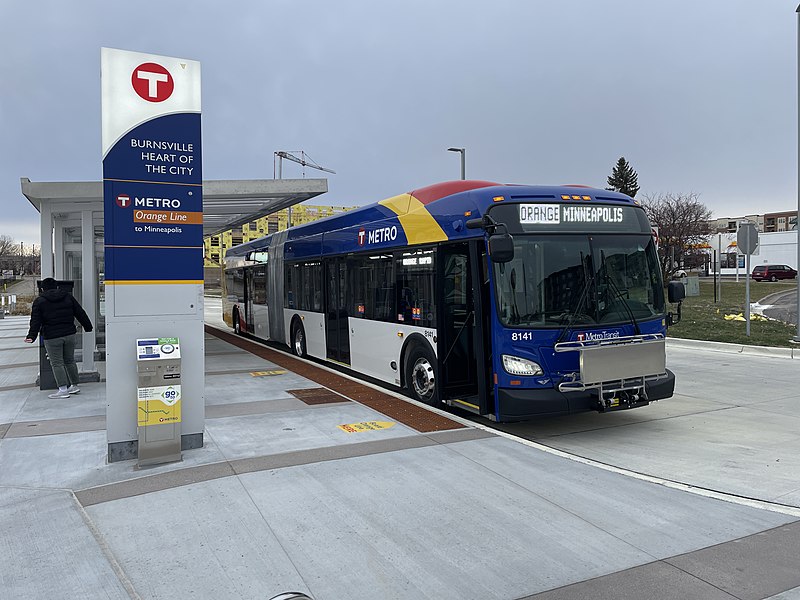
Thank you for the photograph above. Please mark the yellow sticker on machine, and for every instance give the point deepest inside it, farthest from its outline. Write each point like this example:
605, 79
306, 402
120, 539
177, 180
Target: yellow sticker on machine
365, 426
159, 405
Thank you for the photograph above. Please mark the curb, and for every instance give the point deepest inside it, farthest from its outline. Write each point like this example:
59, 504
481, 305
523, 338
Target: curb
791, 353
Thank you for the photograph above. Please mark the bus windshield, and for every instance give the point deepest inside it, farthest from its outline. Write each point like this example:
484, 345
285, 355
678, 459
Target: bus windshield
555, 280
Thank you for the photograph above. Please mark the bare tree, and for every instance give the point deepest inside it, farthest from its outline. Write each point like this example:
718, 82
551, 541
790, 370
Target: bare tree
8, 246
682, 222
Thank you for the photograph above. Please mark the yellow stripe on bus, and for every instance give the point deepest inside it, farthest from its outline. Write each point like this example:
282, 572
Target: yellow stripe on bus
418, 224
475, 406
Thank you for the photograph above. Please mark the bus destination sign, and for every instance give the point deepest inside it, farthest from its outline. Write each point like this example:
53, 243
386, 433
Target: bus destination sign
556, 214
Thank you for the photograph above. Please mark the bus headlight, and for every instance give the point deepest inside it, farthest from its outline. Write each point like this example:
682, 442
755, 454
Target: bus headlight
520, 366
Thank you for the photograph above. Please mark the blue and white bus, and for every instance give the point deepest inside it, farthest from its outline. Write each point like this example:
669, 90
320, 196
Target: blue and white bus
509, 301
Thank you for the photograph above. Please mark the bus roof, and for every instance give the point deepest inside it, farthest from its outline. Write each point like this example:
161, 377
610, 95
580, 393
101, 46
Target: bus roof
430, 214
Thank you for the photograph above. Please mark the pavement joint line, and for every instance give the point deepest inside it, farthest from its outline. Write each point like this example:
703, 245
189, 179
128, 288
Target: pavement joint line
122, 576
21, 386
139, 486
27, 364
26, 429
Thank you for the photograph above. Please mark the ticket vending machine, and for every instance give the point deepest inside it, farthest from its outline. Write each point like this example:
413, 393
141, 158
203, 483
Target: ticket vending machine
158, 362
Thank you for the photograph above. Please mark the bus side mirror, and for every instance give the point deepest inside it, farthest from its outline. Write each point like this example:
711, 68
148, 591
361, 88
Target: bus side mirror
676, 291
501, 247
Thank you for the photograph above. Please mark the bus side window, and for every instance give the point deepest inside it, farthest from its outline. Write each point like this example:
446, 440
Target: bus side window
372, 285
416, 287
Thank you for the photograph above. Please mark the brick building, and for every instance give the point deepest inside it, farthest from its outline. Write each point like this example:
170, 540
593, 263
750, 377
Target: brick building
216, 245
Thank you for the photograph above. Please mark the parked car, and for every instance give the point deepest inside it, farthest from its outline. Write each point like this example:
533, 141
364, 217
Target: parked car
773, 272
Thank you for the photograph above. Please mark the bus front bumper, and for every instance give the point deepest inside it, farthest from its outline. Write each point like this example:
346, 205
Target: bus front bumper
524, 404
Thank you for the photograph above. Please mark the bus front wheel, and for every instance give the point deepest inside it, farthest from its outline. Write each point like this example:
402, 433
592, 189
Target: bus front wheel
299, 340
421, 375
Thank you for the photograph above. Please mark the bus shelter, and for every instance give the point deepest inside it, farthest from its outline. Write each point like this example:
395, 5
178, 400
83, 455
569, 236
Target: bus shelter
71, 224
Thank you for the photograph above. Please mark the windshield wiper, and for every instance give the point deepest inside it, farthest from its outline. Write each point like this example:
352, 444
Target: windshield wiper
589, 279
610, 282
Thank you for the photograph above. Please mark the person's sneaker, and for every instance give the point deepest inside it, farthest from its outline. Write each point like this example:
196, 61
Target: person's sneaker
59, 394
73, 389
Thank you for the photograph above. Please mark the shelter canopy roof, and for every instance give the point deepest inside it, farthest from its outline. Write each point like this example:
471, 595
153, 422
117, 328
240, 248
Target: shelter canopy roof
226, 203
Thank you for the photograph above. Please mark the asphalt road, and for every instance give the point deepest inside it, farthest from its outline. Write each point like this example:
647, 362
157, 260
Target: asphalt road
783, 306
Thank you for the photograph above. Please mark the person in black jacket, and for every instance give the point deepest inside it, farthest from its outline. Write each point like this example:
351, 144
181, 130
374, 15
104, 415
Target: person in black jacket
53, 314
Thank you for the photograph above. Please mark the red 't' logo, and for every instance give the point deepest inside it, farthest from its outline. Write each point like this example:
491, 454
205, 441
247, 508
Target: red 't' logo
361, 236
152, 82
123, 201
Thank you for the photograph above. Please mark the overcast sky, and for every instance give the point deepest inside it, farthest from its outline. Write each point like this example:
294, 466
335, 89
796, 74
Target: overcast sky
699, 96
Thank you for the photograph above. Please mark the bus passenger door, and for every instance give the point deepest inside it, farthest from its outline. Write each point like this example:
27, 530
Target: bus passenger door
258, 305
337, 332
249, 292
458, 331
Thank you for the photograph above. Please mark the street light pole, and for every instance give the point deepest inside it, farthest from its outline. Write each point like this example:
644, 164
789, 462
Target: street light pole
797, 222
461, 151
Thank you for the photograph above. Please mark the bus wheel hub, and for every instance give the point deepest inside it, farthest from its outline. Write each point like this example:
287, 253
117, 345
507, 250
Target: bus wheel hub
422, 378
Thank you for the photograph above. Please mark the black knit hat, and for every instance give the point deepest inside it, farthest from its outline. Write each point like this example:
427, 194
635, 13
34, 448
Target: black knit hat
49, 284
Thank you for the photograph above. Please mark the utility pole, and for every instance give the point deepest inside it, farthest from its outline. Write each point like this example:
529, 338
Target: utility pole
797, 222
463, 152
304, 160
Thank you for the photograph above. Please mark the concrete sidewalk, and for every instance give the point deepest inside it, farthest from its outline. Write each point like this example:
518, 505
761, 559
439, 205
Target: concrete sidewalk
302, 487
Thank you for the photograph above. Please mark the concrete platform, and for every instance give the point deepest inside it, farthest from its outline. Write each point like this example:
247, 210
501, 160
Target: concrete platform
282, 498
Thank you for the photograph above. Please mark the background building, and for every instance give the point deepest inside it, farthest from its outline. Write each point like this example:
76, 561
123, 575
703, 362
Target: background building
217, 245
782, 221
731, 224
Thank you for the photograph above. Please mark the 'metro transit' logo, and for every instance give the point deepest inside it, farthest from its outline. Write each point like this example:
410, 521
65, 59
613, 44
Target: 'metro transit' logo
596, 337
152, 82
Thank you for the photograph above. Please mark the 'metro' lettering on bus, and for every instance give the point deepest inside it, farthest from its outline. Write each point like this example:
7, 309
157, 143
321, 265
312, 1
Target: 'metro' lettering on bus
384, 234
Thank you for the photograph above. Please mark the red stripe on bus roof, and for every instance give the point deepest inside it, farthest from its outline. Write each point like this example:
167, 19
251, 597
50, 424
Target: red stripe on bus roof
433, 192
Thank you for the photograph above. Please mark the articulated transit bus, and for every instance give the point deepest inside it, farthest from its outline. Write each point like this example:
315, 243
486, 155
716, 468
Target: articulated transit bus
508, 301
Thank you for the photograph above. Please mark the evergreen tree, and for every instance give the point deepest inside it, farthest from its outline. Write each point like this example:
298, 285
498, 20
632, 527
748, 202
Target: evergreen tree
623, 178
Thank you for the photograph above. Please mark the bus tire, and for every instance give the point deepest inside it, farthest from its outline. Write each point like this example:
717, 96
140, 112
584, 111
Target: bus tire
421, 374
237, 325
298, 339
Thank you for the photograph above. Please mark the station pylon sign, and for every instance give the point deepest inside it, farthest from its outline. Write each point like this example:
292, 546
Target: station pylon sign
153, 218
